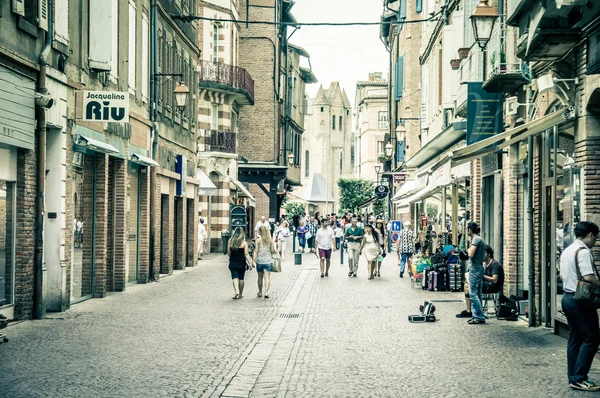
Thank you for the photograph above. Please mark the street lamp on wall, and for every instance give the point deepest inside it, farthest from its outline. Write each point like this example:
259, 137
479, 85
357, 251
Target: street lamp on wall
400, 133
290, 159
389, 149
181, 96
483, 19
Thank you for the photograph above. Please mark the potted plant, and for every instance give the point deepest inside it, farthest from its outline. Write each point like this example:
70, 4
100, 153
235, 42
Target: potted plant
502, 61
493, 60
382, 157
455, 63
463, 52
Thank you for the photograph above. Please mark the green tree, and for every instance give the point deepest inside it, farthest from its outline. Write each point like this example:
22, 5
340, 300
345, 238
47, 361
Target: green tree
294, 208
380, 207
353, 191
432, 210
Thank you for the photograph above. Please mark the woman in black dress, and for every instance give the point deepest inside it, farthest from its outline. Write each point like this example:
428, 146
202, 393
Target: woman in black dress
237, 248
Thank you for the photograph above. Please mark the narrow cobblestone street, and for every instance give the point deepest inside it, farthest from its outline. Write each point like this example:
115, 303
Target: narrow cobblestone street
315, 337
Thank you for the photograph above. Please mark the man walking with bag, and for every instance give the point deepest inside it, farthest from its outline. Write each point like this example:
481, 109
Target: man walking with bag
577, 264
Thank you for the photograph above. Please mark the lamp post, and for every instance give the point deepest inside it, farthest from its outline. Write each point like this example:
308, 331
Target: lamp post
483, 19
181, 95
377, 170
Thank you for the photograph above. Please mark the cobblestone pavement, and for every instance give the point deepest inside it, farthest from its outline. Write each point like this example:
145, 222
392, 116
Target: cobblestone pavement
315, 337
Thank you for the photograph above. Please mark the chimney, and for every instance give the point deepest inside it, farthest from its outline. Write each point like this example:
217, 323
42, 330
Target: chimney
378, 75
371, 77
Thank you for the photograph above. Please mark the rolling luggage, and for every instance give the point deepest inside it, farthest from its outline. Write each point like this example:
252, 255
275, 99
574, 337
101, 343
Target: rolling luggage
432, 281
442, 280
454, 278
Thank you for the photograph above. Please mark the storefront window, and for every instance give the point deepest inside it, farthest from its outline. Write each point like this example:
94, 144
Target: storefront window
82, 262
7, 241
567, 204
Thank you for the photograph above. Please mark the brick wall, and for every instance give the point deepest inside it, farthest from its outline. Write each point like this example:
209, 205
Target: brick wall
101, 228
191, 231
537, 223
25, 233
144, 247
510, 219
156, 246
476, 191
166, 235
119, 231
180, 233
110, 226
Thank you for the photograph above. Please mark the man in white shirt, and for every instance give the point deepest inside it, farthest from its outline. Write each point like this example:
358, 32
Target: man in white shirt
584, 332
263, 221
325, 246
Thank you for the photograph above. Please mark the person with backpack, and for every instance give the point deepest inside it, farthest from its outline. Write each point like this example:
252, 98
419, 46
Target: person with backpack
476, 253
577, 264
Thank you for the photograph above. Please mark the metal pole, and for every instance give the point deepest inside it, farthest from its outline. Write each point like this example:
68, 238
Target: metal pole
530, 242
342, 252
294, 240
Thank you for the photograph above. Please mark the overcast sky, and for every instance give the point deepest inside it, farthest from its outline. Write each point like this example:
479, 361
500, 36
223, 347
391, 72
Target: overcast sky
344, 54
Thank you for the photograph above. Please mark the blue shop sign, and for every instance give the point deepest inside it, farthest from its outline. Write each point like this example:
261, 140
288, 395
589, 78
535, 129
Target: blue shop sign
484, 113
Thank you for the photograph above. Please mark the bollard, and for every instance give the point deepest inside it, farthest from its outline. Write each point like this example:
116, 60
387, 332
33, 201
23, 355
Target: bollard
342, 253
298, 258
389, 241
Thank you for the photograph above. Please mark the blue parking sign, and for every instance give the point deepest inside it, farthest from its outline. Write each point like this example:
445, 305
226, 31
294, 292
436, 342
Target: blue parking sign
396, 225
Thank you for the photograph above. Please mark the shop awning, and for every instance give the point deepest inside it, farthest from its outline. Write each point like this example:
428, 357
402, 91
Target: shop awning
242, 191
406, 188
407, 200
143, 160
509, 137
440, 143
206, 185
94, 145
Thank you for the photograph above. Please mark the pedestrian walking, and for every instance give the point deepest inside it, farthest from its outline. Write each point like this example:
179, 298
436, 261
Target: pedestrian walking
201, 238
324, 239
237, 248
301, 233
338, 236
381, 231
370, 246
405, 247
476, 253
353, 237
283, 233
263, 258
577, 263
263, 222
313, 227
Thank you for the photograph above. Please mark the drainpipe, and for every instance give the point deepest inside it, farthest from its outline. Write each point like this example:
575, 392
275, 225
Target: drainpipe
39, 305
153, 130
530, 240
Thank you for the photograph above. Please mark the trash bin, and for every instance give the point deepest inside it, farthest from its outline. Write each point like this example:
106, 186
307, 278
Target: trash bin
225, 240
297, 258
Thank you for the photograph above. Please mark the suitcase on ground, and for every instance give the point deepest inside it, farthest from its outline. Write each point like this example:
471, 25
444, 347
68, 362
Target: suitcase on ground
424, 280
454, 279
442, 280
432, 281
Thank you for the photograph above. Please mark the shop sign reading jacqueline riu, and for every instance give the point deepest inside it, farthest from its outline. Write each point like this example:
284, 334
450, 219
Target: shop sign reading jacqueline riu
484, 113
106, 106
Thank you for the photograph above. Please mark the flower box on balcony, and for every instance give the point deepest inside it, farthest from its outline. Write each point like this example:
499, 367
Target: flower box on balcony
463, 52
455, 63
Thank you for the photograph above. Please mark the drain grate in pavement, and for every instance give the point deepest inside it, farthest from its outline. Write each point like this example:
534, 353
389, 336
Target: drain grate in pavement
446, 301
289, 315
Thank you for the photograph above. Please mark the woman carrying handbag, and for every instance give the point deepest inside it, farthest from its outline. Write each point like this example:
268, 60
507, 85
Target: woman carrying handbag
580, 303
263, 257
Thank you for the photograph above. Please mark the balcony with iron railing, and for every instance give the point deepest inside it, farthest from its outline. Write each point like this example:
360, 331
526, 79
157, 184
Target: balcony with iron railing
504, 73
217, 141
227, 78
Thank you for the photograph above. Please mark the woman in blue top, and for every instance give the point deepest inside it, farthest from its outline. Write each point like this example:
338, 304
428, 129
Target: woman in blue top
301, 232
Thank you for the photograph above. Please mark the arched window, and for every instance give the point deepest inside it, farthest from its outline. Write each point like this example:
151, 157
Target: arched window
321, 109
341, 124
306, 164
333, 122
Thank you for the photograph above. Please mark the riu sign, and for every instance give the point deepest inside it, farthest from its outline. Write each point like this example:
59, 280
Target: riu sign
106, 106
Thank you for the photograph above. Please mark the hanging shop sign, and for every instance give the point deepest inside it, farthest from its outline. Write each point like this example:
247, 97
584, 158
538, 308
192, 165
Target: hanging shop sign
399, 177
381, 191
484, 113
106, 106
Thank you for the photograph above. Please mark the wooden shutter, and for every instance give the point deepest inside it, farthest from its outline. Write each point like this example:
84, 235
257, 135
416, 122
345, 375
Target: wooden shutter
100, 41
43, 14
18, 7
440, 76
399, 78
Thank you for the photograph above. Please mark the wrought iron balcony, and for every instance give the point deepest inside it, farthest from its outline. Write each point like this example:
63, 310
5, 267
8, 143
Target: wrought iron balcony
220, 141
228, 78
